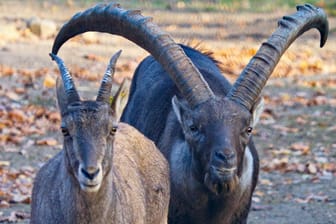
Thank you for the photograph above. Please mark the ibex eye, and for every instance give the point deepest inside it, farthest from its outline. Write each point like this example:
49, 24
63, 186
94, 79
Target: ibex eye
249, 130
65, 131
193, 128
113, 130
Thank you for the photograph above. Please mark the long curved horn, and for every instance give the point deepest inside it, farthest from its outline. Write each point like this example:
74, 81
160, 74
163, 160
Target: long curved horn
106, 84
253, 78
69, 85
140, 30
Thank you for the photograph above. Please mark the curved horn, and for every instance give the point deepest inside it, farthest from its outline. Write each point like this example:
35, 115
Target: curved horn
106, 84
253, 78
69, 85
140, 30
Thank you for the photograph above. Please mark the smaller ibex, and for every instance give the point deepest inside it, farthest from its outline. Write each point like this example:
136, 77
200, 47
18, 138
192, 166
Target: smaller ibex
105, 173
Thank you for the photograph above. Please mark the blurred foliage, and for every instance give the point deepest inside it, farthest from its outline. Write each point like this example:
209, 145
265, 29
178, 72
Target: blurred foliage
211, 5
200, 5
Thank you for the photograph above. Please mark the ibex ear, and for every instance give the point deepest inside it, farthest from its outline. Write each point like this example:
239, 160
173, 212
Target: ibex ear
61, 96
178, 108
257, 110
120, 99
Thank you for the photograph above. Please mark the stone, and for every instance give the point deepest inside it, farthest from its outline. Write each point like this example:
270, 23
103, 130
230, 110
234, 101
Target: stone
42, 27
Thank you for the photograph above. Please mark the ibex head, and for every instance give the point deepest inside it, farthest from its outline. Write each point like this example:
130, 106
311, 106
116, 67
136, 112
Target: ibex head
217, 127
88, 127
217, 132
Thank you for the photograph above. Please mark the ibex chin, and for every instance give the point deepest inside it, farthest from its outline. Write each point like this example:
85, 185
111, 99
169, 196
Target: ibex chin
180, 99
107, 172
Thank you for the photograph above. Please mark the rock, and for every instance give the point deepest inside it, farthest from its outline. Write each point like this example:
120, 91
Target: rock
42, 27
8, 32
90, 38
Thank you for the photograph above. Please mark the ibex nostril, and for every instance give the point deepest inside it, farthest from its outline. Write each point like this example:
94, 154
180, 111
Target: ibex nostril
89, 174
220, 155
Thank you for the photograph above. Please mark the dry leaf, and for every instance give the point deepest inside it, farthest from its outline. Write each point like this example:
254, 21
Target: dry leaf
19, 198
54, 116
17, 115
12, 95
261, 207
311, 168
4, 163
20, 90
49, 82
47, 141
312, 197
93, 57
4, 204
303, 147
6, 70
284, 129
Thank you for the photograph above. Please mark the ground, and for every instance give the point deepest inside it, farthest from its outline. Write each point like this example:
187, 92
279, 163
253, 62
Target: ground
295, 136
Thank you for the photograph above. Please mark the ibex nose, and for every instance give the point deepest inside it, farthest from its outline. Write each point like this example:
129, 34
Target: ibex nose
90, 172
224, 155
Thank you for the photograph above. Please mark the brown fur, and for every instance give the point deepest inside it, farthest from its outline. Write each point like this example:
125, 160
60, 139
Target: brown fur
136, 190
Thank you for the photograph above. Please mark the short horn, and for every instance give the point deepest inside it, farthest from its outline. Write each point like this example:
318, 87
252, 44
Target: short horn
104, 92
253, 78
69, 85
142, 31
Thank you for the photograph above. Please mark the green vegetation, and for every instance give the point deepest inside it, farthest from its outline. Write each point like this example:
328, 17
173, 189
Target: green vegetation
209, 5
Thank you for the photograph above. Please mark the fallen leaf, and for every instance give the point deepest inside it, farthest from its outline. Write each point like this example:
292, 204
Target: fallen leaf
4, 163
41, 72
17, 115
47, 141
4, 204
312, 197
6, 70
261, 207
20, 90
284, 129
12, 95
49, 82
22, 215
93, 57
19, 198
14, 216
256, 199
54, 116
311, 168
303, 147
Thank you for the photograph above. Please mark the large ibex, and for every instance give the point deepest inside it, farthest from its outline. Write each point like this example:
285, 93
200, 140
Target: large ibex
107, 172
201, 123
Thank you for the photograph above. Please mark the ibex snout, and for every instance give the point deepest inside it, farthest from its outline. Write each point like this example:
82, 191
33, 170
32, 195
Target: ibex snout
226, 158
222, 171
90, 178
91, 172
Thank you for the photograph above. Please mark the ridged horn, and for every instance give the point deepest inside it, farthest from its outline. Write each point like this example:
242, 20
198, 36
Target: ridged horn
142, 31
253, 78
69, 85
104, 91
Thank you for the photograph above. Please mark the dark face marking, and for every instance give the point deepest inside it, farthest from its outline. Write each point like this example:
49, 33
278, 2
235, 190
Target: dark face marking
217, 132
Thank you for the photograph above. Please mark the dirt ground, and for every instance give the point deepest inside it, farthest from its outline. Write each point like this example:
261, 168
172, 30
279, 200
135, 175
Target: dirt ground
295, 137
